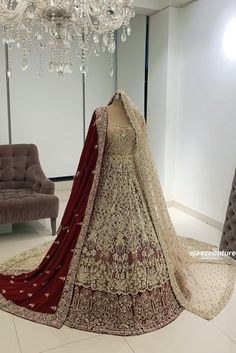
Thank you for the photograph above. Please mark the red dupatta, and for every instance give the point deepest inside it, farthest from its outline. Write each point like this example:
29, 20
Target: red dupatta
44, 294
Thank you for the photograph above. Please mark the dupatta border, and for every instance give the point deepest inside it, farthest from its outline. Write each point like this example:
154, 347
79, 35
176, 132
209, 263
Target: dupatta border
58, 318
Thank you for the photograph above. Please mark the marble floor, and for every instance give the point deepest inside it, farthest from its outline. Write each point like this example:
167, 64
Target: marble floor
188, 333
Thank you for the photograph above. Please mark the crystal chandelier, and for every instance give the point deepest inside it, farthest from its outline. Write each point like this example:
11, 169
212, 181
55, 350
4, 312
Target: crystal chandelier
53, 25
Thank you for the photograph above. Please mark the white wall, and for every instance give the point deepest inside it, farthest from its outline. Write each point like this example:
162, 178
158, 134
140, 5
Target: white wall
172, 101
162, 94
131, 61
99, 84
206, 134
192, 106
47, 111
3, 100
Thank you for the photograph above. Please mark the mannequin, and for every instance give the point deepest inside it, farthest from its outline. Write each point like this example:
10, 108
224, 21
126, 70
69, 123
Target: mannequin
117, 114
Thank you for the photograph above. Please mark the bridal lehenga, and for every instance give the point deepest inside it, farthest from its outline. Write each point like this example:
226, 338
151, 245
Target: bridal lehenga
116, 265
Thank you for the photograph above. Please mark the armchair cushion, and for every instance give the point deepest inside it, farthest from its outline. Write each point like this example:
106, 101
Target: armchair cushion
22, 205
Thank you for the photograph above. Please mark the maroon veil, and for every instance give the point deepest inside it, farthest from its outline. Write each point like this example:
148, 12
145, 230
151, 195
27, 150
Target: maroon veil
44, 294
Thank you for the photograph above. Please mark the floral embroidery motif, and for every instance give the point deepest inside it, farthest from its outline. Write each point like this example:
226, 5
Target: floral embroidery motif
121, 253
130, 314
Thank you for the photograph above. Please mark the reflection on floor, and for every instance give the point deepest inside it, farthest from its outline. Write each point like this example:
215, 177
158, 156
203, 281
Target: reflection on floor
187, 333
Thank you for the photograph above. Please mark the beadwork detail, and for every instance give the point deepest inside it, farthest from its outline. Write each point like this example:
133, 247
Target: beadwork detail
121, 253
125, 315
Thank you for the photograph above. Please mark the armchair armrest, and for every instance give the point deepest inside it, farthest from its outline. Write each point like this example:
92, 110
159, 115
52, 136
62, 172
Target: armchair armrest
40, 183
47, 186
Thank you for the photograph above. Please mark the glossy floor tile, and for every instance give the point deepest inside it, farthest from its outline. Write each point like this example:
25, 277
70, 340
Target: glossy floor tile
43, 338
101, 344
9, 342
188, 333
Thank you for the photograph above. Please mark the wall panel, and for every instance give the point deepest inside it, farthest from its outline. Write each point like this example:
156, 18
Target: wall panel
157, 87
131, 61
47, 111
206, 131
99, 84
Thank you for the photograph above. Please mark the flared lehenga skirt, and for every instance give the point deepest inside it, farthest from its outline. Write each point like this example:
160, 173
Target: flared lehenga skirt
122, 285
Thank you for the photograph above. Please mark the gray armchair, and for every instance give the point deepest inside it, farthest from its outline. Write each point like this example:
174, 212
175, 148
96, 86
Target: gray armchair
25, 192
228, 240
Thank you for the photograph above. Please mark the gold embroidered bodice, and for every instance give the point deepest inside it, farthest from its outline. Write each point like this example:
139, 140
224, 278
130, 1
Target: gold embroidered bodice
121, 253
120, 139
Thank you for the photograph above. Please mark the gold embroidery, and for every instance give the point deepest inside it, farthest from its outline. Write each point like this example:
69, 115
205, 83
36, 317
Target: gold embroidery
119, 314
121, 253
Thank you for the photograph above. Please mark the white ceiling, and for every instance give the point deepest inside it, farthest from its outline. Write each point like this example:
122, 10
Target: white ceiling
147, 7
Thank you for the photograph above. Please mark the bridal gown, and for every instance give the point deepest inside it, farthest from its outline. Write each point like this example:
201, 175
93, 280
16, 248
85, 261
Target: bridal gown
122, 282
116, 266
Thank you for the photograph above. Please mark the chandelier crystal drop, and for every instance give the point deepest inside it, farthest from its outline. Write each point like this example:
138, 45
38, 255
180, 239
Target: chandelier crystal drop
59, 26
